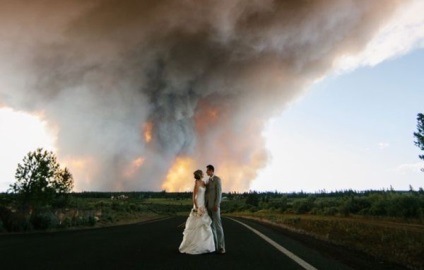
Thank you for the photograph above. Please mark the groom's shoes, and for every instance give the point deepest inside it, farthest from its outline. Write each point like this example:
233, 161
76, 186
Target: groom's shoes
220, 251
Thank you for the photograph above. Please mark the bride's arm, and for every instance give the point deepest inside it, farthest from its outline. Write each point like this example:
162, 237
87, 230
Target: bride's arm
195, 195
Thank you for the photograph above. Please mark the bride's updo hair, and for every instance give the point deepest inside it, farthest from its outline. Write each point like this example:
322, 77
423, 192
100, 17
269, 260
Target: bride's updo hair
198, 174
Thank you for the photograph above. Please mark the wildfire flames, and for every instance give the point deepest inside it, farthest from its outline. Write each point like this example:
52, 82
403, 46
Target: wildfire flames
148, 128
134, 167
83, 169
180, 176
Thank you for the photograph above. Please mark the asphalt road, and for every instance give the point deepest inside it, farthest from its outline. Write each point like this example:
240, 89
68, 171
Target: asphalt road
154, 245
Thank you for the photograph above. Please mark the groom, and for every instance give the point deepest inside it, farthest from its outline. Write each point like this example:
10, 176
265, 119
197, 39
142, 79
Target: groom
212, 201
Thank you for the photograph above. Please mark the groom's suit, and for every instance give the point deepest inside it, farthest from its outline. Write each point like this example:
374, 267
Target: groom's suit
213, 197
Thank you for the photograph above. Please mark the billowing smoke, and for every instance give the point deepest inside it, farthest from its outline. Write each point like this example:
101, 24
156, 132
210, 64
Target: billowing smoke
141, 93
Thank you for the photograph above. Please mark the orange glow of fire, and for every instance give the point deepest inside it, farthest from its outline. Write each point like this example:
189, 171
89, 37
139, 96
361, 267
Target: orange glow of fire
240, 162
134, 167
236, 176
180, 176
83, 170
148, 129
207, 116
237, 156
212, 113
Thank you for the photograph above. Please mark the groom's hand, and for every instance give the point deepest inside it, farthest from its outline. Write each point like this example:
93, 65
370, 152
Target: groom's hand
215, 209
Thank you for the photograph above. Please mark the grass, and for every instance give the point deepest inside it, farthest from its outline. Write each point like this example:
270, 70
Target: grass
394, 241
133, 209
82, 212
165, 201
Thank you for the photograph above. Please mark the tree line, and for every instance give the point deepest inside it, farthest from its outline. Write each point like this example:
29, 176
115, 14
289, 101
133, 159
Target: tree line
42, 184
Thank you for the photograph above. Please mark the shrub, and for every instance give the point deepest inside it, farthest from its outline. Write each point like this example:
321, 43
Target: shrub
44, 220
5, 214
354, 205
252, 199
2, 228
92, 220
303, 206
118, 206
87, 220
330, 211
66, 223
108, 216
18, 222
280, 203
61, 201
405, 206
379, 208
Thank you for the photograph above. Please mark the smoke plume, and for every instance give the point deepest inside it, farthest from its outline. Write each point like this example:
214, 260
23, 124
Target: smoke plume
141, 93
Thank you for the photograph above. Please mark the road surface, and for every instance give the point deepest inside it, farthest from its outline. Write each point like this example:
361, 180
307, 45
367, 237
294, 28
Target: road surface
154, 245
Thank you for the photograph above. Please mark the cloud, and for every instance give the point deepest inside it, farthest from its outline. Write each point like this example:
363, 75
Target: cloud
400, 35
383, 145
204, 76
410, 168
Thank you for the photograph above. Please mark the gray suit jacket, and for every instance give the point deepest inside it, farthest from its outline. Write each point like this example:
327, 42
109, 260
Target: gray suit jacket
213, 192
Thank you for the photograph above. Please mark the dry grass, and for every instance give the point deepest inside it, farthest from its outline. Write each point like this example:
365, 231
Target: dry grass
166, 201
393, 241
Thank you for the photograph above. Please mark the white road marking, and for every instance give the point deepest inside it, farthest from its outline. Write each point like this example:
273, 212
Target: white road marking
152, 220
286, 252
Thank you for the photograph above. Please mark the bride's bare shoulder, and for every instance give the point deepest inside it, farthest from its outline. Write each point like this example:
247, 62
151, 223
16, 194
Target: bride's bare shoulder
201, 183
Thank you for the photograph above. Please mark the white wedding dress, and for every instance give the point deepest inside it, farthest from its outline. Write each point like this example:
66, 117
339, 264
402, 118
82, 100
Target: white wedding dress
198, 237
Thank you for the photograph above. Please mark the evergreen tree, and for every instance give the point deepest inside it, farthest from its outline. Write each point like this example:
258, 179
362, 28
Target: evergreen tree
39, 179
419, 135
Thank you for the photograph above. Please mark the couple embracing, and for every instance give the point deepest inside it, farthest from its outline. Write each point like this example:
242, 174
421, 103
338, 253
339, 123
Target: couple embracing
203, 231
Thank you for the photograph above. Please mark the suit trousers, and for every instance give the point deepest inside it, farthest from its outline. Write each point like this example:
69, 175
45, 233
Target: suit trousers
217, 230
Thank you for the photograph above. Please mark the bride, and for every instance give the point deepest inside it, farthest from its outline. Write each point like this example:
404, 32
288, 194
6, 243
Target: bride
198, 238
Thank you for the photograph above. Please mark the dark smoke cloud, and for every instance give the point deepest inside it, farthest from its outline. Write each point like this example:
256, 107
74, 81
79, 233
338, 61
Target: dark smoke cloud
207, 74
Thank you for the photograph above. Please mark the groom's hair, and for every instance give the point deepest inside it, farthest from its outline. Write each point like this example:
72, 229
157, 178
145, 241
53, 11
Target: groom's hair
210, 167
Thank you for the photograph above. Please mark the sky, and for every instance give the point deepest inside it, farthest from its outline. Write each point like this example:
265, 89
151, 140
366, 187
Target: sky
350, 131
279, 95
